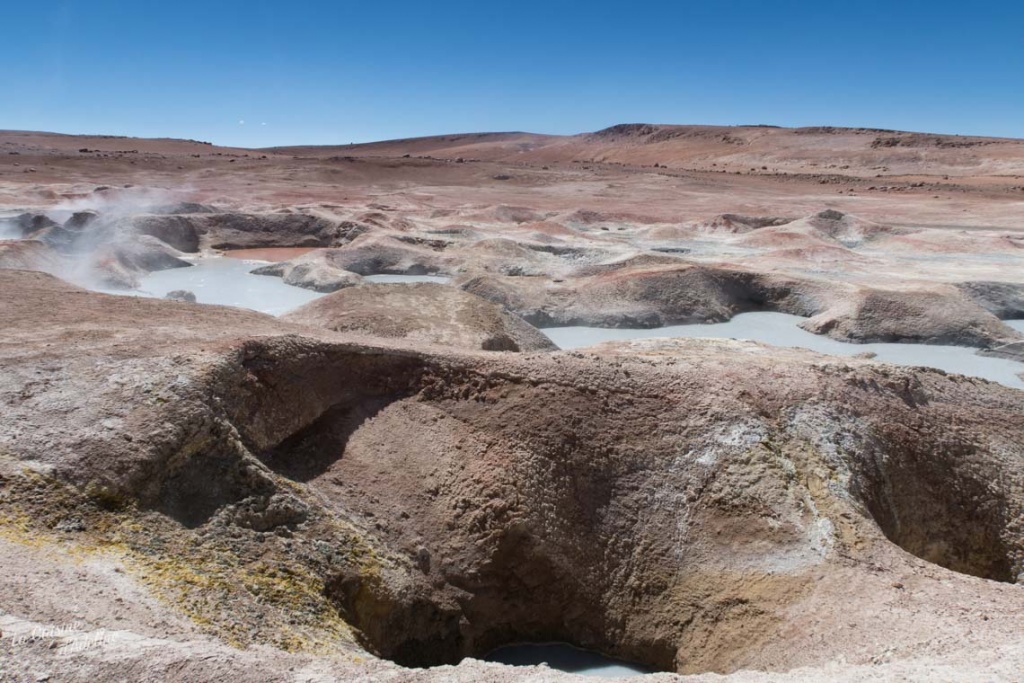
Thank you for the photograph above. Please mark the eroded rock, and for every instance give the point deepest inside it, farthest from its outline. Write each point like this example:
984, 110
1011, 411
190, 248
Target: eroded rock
313, 271
925, 317
182, 295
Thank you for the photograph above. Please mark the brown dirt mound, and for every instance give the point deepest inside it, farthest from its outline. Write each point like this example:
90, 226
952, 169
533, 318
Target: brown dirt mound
423, 312
30, 255
925, 317
646, 294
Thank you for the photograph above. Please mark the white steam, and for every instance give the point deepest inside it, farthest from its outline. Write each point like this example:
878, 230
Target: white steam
119, 202
92, 256
9, 230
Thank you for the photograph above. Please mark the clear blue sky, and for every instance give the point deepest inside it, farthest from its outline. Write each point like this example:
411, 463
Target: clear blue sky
334, 72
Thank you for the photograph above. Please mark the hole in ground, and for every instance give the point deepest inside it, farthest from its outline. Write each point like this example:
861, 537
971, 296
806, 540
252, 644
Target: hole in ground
309, 453
526, 593
565, 657
936, 504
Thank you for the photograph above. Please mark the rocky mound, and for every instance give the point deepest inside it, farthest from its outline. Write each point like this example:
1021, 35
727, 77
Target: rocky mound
695, 506
24, 225
187, 228
826, 228
177, 231
515, 214
252, 231
639, 293
119, 264
849, 230
795, 235
396, 254
385, 254
315, 271
423, 312
941, 316
1002, 299
30, 255
90, 249
731, 223
114, 249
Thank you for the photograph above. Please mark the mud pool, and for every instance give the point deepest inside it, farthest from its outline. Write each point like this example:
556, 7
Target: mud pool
229, 282
564, 658
781, 329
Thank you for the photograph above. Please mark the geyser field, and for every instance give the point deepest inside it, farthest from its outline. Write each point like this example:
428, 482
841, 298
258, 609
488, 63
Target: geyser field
301, 413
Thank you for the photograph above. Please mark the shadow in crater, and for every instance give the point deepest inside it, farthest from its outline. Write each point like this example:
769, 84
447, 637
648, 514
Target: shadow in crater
310, 452
935, 504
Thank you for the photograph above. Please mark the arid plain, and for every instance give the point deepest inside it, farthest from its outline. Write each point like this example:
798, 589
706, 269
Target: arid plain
392, 480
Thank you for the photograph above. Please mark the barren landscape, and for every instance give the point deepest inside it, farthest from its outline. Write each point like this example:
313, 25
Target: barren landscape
297, 465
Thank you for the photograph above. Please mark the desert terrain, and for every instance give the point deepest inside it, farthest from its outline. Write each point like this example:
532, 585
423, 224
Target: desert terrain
337, 475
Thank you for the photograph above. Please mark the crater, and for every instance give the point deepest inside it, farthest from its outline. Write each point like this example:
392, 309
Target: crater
933, 505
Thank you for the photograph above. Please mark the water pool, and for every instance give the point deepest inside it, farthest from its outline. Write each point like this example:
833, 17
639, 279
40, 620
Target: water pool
228, 282
781, 329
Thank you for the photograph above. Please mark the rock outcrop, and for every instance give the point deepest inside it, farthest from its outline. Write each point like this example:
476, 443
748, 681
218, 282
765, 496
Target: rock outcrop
176, 231
1004, 300
251, 230
314, 271
24, 225
640, 294
645, 293
182, 295
940, 316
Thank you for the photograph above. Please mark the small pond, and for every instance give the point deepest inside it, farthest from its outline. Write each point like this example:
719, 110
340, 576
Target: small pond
227, 281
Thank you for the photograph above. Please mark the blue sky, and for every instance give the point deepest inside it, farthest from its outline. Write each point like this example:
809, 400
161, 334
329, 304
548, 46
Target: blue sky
335, 72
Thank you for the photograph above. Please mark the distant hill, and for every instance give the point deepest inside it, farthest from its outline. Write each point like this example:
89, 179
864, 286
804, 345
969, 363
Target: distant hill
819, 150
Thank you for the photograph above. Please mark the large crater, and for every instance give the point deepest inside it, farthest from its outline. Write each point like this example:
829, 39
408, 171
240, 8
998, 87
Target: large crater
680, 504
663, 522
